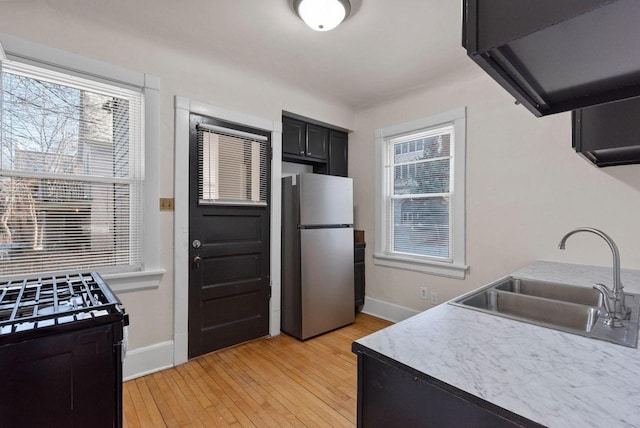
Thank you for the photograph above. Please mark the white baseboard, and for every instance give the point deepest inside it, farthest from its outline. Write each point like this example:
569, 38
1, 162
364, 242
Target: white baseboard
387, 311
147, 360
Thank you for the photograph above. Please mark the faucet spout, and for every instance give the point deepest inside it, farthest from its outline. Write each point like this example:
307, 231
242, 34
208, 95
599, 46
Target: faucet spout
619, 310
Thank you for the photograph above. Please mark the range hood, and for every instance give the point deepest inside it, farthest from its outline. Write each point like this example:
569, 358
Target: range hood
557, 55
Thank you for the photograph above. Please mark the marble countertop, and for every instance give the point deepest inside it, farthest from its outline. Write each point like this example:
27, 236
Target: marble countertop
554, 378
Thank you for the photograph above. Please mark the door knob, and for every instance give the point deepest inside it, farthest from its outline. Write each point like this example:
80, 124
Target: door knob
197, 260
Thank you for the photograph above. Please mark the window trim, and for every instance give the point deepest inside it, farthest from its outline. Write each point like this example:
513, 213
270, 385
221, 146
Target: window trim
456, 268
44, 56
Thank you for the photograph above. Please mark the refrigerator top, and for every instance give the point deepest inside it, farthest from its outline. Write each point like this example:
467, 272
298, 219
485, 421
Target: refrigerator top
325, 199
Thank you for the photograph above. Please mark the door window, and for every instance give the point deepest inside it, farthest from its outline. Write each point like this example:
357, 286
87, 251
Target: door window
232, 168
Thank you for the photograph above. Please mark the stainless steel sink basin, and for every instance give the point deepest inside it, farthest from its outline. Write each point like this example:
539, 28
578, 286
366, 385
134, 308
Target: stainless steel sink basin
544, 311
552, 290
563, 307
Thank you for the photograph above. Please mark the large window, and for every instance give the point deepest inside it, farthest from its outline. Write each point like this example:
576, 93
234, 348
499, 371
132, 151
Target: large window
71, 176
420, 195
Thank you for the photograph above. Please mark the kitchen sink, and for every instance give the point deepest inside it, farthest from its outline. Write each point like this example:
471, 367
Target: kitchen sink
541, 310
552, 290
564, 307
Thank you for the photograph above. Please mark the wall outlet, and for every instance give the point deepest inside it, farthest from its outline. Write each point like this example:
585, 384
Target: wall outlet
433, 298
424, 294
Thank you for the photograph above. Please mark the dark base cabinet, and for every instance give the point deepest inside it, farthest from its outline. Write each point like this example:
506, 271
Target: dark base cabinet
393, 395
71, 379
359, 284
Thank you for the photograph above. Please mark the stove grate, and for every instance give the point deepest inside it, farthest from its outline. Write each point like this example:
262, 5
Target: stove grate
32, 303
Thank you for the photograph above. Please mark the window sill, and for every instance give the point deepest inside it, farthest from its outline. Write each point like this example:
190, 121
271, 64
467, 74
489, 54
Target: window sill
450, 270
134, 281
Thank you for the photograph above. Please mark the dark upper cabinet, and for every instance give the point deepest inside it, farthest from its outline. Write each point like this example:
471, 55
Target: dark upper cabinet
555, 56
317, 142
293, 136
608, 134
338, 153
304, 142
309, 143
337, 163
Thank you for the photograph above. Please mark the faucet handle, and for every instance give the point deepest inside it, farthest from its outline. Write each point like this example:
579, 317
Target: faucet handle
606, 292
608, 298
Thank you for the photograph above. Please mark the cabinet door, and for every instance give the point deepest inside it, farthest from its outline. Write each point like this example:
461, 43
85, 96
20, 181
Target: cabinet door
293, 136
338, 153
317, 141
358, 276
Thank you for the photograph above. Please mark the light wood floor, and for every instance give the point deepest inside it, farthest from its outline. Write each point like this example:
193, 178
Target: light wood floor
275, 382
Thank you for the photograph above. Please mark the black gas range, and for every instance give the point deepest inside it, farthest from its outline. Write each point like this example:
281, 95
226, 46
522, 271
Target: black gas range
61, 352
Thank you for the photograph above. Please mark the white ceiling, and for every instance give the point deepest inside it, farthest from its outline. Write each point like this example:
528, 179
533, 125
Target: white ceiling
384, 49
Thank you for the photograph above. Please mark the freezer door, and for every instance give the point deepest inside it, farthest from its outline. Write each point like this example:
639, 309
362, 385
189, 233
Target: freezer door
325, 199
327, 279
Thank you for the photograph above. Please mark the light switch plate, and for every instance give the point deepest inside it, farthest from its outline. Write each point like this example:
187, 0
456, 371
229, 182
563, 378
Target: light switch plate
166, 204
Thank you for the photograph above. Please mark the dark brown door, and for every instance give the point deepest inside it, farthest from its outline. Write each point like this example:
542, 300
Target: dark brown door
229, 284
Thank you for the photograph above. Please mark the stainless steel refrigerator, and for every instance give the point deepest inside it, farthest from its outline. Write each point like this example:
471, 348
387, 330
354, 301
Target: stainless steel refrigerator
317, 254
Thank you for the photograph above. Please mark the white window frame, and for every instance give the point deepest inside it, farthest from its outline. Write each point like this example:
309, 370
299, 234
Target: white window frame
44, 56
455, 267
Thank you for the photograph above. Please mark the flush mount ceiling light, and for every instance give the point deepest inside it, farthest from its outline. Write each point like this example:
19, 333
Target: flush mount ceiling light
322, 15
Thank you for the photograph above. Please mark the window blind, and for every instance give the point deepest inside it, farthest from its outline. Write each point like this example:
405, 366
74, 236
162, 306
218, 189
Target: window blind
419, 188
71, 172
232, 166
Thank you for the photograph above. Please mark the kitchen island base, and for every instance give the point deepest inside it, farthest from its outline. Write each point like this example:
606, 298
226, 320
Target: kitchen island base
391, 394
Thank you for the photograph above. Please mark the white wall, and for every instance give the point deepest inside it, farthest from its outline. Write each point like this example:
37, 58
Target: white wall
526, 187
197, 77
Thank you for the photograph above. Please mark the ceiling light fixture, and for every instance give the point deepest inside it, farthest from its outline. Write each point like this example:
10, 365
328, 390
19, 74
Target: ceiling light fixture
322, 15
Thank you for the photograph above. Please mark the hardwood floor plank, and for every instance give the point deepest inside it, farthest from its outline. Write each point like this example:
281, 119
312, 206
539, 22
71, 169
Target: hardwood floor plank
150, 404
143, 416
217, 412
130, 413
253, 386
300, 400
325, 384
271, 382
217, 389
238, 394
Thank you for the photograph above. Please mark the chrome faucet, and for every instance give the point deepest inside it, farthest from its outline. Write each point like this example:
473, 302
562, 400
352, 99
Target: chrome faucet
613, 299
